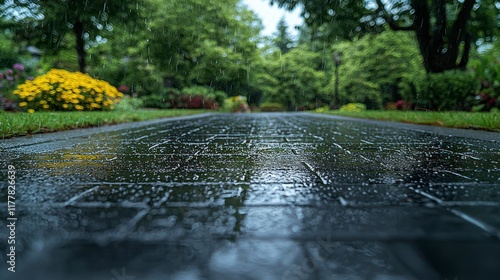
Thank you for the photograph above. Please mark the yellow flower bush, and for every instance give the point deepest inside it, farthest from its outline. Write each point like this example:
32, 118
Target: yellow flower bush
236, 104
353, 107
67, 91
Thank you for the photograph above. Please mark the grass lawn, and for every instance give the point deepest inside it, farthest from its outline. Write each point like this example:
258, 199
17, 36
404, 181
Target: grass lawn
483, 121
18, 124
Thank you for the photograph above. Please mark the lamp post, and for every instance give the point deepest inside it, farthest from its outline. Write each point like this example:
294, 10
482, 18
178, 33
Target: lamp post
337, 59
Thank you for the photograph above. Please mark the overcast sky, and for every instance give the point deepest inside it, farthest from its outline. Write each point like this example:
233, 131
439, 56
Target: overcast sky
271, 15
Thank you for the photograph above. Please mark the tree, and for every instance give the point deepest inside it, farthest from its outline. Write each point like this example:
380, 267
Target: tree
377, 69
445, 29
8, 51
333, 19
440, 41
205, 42
283, 40
296, 79
47, 21
124, 60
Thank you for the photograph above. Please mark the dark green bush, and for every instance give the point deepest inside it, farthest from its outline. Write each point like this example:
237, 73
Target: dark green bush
128, 103
8, 50
271, 107
487, 70
207, 92
197, 97
361, 91
156, 101
445, 91
162, 100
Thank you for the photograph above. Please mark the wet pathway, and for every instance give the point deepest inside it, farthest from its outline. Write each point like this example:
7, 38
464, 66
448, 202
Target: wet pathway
256, 196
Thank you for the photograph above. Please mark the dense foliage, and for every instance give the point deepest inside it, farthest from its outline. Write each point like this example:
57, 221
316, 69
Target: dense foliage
445, 29
47, 22
376, 69
295, 79
209, 54
196, 97
444, 91
487, 71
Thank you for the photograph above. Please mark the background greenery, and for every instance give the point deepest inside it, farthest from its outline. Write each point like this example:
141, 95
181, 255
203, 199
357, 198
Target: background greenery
198, 53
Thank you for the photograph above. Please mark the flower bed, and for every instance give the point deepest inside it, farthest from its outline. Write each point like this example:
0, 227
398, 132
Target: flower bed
61, 90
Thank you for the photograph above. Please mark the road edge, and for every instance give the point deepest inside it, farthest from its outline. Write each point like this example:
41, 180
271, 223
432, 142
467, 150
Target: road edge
82, 132
446, 131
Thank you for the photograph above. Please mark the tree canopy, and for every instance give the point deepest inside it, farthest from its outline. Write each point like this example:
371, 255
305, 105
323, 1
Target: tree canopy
208, 43
445, 29
204, 42
377, 69
46, 22
283, 40
295, 79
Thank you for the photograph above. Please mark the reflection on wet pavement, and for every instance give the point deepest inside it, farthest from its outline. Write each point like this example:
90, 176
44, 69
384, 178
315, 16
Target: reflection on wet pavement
258, 196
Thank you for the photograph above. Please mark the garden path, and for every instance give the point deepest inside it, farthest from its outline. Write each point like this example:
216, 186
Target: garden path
255, 196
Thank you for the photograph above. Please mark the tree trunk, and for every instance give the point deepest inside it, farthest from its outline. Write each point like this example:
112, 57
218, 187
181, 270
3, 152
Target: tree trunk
337, 61
439, 44
80, 45
422, 26
440, 48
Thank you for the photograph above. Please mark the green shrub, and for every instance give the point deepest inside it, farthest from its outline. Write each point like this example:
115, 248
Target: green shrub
353, 107
271, 107
129, 103
8, 50
322, 109
197, 97
487, 71
162, 100
156, 101
208, 92
361, 91
444, 91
